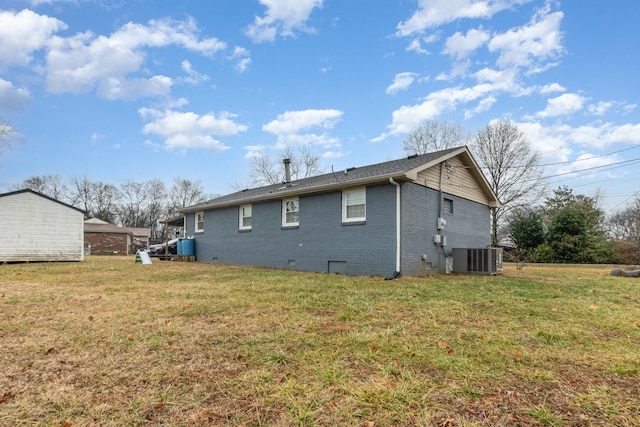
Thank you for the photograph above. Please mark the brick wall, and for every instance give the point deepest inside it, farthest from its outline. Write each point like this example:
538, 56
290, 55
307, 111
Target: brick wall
107, 243
367, 248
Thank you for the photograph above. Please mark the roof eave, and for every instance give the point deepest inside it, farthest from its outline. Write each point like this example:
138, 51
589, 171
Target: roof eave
292, 192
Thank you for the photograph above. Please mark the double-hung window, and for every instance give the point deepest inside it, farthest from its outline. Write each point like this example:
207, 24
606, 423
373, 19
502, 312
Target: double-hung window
199, 224
290, 212
354, 205
244, 220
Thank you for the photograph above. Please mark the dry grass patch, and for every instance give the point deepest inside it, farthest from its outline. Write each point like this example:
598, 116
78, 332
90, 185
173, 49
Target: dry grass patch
110, 342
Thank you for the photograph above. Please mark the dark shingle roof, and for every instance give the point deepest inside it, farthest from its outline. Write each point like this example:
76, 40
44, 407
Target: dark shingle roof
352, 176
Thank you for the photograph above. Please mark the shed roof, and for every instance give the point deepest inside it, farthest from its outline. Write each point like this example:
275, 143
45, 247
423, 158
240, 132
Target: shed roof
28, 190
405, 169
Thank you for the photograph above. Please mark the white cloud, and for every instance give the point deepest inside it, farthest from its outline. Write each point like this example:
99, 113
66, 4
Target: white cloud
531, 45
416, 46
193, 77
401, 81
605, 134
551, 88
549, 141
603, 107
433, 13
294, 121
484, 105
242, 58
407, 118
292, 127
79, 63
22, 33
283, 17
627, 108
460, 46
115, 88
600, 108
557, 142
490, 83
190, 130
243, 65
567, 103
332, 154
254, 151
96, 137
13, 98
320, 140
588, 161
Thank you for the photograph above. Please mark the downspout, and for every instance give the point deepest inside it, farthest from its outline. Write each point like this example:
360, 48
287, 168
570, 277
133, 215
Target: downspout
397, 272
440, 211
440, 202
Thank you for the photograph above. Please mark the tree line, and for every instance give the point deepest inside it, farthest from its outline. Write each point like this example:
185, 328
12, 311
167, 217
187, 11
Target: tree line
543, 226
131, 204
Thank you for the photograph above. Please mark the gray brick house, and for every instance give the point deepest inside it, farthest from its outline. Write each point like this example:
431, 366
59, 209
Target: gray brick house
399, 217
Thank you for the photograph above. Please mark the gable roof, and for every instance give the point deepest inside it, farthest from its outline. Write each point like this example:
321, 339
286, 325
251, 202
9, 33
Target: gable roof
91, 227
405, 169
95, 225
28, 190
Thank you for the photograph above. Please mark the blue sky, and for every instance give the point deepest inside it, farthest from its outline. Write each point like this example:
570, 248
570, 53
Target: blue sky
120, 90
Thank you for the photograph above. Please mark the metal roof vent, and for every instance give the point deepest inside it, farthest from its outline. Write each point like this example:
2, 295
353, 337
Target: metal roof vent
287, 170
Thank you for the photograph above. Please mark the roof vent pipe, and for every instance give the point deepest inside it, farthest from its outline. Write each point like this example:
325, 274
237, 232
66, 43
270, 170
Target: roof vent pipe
287, 170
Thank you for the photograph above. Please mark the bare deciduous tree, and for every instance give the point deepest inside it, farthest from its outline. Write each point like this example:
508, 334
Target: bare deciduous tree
132, 211
431, 136
625, 224
264, 170
304, 163
6, 133
510, 165
185, 192
156, 205
107, 198
81, 193
49, 185
96, 198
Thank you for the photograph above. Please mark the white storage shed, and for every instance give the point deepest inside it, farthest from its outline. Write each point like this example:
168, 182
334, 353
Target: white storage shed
36, 227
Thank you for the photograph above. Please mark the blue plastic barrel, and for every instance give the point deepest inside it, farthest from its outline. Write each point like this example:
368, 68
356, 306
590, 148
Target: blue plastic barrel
188, 247
180, 248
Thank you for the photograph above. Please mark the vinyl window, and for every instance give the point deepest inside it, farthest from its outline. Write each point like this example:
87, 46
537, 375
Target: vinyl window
354, 205
290, 212
245, 218
199, 224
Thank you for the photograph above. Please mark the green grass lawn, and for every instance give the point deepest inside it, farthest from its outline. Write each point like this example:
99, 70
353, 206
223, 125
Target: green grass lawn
111, 342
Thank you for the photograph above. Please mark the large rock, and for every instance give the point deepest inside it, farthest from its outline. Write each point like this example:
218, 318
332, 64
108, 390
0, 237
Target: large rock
624, 273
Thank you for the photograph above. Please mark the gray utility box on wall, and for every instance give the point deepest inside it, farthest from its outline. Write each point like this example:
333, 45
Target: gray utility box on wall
477, 260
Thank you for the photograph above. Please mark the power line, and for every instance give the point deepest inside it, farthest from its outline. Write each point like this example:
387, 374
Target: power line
624, 162
588, 158
572, 161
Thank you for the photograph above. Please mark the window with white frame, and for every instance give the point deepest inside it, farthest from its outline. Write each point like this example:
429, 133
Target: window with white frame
354, 205
199, 224
245, 217
290, 212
